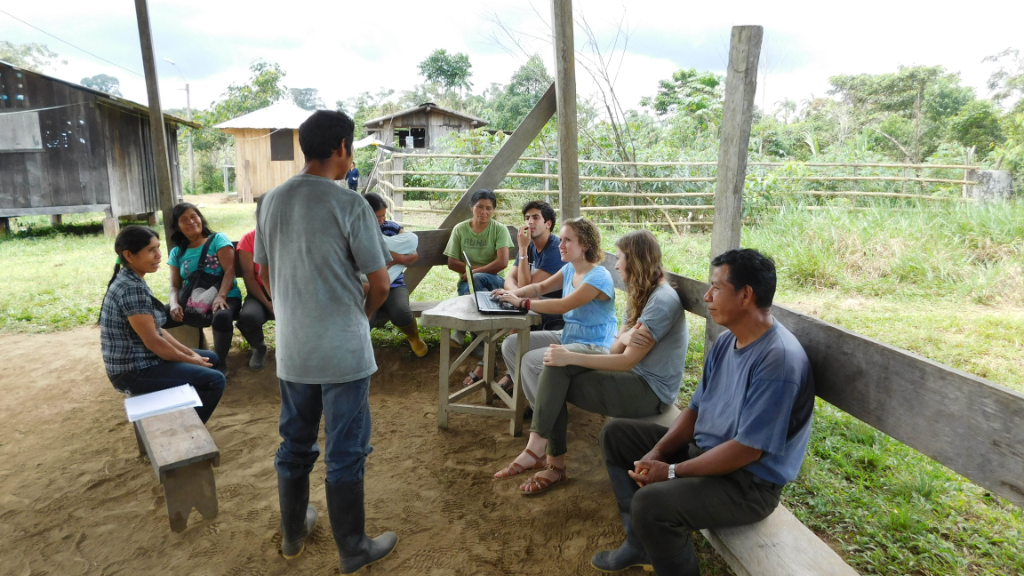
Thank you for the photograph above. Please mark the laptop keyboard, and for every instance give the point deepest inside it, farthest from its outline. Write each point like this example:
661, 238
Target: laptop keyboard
484, 301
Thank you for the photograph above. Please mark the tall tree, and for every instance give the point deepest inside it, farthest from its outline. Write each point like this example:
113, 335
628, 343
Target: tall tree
524, 90
909, 108
452, 71
103, 83
1008, 81
35, 57
306, 98
697, 95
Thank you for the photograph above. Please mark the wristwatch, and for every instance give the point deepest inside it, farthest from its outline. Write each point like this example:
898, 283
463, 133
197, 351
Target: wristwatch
671, 471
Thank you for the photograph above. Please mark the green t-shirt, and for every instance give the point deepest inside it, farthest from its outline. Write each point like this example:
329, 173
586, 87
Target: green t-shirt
481, 248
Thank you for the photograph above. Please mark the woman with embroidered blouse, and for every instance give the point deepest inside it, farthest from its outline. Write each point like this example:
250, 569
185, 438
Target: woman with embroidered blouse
141, 357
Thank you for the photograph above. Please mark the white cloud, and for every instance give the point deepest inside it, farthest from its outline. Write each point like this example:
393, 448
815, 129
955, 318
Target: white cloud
344, 48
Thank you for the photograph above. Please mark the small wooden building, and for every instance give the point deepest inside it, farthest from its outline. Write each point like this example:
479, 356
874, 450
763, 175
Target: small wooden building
426, 124
266, 146
69, 149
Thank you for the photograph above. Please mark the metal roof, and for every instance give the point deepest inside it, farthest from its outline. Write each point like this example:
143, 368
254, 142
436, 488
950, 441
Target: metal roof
115, 101
426, 107
283, 114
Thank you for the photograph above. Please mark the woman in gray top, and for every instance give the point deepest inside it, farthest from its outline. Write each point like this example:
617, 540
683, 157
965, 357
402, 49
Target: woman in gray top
640, 377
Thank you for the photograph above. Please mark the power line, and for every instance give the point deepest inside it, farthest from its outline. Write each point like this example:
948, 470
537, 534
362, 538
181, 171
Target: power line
70, 44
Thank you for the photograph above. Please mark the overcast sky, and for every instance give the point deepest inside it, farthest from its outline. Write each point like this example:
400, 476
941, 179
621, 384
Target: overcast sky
344, 48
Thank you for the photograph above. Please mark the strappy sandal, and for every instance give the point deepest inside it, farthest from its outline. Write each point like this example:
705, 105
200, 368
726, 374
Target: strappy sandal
543, 484
506, 384
515, 468
473, 376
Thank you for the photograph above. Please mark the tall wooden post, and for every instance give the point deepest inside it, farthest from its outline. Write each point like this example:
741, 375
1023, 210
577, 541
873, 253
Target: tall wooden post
565, 96
737, 114
156, 118
398, 181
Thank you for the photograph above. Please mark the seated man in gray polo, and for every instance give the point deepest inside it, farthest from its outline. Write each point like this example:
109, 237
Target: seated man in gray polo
727, 456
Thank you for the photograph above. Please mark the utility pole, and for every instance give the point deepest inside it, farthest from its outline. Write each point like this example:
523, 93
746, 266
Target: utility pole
188, 107
156, 119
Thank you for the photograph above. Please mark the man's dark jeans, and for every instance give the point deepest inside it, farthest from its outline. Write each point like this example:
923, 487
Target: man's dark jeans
209, 383
346, 410
665, 513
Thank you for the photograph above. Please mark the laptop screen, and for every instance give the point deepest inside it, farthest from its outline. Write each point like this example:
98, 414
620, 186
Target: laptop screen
469, 274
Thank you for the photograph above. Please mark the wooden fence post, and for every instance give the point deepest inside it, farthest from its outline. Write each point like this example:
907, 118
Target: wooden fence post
547, 181
737, 114
565, 83
398, 181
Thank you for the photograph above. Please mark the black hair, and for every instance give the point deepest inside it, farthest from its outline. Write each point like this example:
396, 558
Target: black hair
483, 194
375, 201
133, 239
749, 267
177, 237
323, 132
546, 211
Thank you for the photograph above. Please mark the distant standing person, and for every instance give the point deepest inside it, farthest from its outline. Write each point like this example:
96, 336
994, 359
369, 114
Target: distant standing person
353, 178
313, 239
257, 309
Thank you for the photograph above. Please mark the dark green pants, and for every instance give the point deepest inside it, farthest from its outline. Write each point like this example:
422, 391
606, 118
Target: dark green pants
665, 513
618, 394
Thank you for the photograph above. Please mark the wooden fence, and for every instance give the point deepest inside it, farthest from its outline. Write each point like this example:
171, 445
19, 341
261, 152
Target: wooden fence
678, 194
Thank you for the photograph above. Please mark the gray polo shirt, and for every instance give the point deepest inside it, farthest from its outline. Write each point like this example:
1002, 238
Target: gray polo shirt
317, 237
662, 367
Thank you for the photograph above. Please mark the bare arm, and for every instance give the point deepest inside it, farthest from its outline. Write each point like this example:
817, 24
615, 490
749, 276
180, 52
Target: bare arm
536, 290
585, 293
457, 266
252, 287
265, 276
158, 343
403, 259
497, 266
624, 362
512, 280
174, 342
226, 257
379, 286
175, 307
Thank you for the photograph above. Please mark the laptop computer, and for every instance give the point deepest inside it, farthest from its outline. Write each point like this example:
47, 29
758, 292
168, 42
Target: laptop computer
484, 303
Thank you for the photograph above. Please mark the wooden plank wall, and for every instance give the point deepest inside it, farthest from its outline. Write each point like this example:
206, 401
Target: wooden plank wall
966, 423
264, 174
71, 168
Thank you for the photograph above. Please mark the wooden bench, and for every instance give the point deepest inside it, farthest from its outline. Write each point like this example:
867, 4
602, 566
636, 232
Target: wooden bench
183, 455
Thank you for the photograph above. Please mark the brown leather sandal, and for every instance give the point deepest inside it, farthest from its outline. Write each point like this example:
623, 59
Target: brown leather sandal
515, 469
543, 484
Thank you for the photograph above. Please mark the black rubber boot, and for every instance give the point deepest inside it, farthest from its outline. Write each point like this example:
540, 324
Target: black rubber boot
298, 517
221, 345
631, 553
347, 511
684, 564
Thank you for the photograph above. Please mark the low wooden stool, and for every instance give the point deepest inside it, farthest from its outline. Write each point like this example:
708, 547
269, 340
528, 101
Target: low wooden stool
461, 314
183, 455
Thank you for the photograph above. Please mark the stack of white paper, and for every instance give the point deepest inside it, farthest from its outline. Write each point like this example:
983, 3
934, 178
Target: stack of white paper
169, 400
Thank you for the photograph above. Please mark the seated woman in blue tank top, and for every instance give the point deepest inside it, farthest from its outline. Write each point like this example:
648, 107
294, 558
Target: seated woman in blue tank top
587, 305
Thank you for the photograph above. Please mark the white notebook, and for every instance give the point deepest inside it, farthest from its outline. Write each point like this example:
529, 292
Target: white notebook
169, 400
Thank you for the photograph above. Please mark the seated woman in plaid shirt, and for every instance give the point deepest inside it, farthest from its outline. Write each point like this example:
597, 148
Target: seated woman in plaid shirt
139, 356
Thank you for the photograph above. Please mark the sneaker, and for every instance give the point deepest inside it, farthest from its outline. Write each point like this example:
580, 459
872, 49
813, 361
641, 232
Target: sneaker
259, 357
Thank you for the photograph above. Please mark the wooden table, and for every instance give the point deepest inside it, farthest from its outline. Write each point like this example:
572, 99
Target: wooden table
461, 314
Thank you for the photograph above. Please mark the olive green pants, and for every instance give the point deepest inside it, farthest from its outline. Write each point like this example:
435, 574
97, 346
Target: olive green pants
618, 394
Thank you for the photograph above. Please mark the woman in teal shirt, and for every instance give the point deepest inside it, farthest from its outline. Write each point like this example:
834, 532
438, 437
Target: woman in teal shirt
189, 233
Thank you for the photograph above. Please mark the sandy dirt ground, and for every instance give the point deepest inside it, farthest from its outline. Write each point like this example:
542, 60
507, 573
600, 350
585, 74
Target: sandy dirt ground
76, 498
